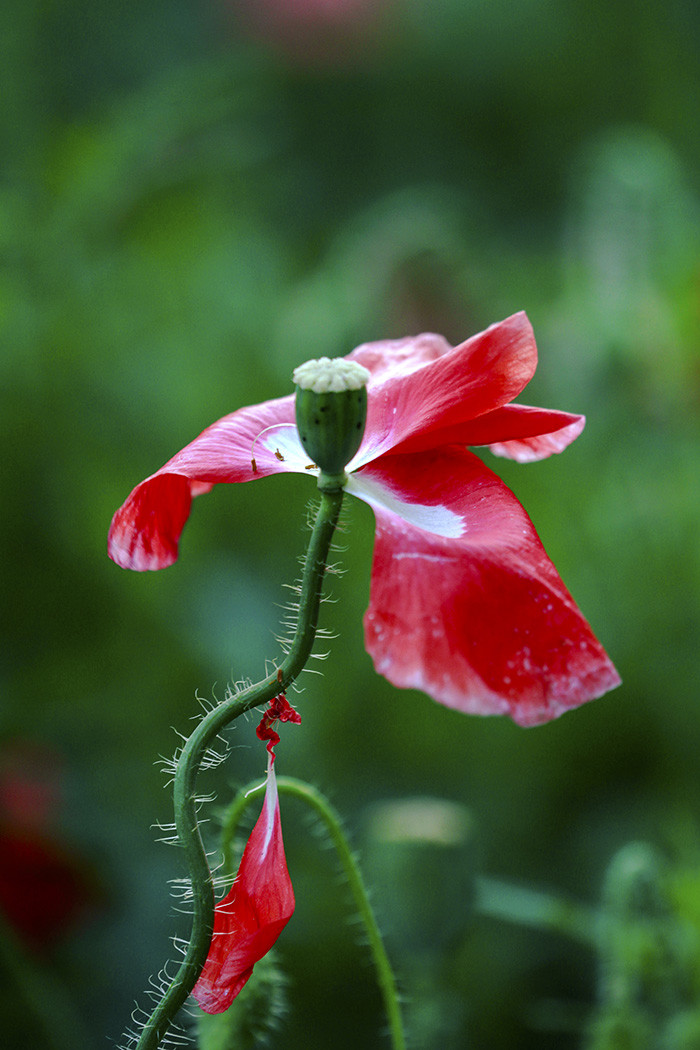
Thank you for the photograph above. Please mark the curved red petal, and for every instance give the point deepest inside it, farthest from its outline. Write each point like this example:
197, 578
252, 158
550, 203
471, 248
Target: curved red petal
519, 432
247, 444
559, 429
464, 602
420, 386
250, 918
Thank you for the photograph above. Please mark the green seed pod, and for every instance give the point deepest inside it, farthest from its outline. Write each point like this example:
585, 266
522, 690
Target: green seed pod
331, 411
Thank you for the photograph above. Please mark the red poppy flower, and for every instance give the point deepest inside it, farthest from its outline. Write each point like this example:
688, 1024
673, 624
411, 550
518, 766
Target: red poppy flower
464, 602
250, 918
44, 887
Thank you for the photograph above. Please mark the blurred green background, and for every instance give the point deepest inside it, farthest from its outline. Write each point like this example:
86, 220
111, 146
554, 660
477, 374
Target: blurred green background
195, 198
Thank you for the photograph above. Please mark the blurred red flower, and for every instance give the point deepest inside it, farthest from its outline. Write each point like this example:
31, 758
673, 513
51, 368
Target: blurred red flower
464, 602
44, 888
323, 33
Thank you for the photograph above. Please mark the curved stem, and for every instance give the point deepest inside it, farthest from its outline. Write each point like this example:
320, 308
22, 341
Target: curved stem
190, 759
301, 790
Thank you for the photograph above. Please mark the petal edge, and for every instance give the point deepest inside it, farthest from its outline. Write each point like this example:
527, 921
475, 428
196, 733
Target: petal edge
482, 623
246, 445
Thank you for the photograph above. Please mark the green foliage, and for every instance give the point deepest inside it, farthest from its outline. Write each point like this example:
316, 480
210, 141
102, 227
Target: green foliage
626, 1029
648, 954
188, 209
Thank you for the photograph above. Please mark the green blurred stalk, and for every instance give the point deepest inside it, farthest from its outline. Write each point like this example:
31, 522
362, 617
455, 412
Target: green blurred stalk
51, 1012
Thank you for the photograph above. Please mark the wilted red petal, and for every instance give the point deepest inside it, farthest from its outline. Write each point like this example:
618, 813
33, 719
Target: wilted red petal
252, 915
464, 602
421, 386
279, 710
145, 531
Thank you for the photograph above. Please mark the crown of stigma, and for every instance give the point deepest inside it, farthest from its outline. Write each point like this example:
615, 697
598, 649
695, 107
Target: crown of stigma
331, 411
330, 375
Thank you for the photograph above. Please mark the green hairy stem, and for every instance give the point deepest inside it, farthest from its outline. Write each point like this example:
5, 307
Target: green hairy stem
190, 760
312, 797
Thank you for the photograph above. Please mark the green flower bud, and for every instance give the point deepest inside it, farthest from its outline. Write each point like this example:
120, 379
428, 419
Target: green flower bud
634, 883
331, 411
414, 843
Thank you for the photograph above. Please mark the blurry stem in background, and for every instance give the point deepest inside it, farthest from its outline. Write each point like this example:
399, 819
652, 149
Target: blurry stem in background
192, 753
55, 1020
301, 790
538, 909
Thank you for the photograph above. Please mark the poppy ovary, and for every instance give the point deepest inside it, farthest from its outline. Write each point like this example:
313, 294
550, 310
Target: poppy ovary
331, 412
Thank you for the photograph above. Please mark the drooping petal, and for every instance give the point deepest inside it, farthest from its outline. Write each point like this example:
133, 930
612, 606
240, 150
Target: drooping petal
519, 432
250, 918
464, 602
247, 444
421, 386
531, 446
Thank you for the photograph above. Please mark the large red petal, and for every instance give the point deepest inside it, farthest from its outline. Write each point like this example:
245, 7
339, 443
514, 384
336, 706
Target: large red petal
464, 603
145, 531
420, 386
250, 918
517, 431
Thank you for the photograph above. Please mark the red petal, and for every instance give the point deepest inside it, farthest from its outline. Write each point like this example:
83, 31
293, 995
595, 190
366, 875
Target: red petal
250, 918
464, 602
145, 531
517, 431
420, 386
